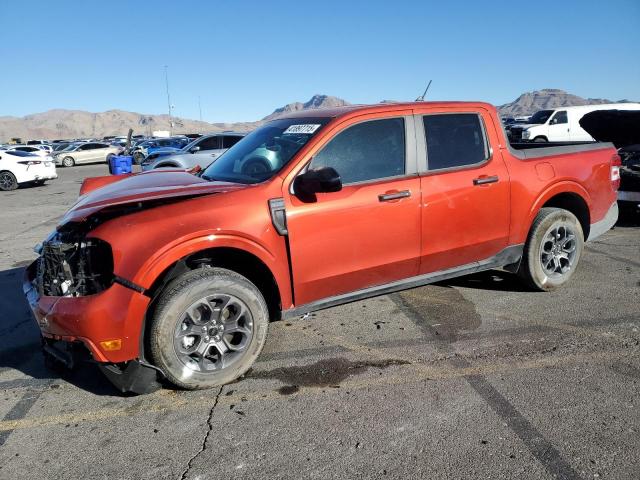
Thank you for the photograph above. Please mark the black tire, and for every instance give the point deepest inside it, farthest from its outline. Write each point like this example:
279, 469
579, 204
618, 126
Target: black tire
546, 244
138, 158
540, 140
8, 181
200, 287
68, 162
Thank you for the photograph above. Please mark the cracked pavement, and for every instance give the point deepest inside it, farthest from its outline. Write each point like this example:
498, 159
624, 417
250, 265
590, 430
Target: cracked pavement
471, 378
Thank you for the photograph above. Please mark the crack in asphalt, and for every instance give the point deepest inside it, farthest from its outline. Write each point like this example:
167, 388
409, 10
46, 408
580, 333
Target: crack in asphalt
203, 447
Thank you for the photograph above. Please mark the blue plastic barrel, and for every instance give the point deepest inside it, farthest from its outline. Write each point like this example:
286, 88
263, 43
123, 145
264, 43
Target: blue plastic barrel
120, 164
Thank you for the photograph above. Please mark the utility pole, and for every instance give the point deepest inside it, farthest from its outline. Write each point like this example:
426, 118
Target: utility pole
166, 79
200, 107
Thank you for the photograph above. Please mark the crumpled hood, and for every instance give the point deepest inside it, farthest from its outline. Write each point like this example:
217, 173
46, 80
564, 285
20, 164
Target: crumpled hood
145, 187
621, 127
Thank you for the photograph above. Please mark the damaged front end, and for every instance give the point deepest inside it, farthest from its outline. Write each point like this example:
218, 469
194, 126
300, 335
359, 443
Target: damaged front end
71, 265
82, 314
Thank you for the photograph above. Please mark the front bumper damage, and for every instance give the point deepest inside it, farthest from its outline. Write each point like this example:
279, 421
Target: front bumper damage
73, 330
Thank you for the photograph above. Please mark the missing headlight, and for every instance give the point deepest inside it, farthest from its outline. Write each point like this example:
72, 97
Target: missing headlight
72, 266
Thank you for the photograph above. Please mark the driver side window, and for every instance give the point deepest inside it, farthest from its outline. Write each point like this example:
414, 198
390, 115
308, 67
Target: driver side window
367, 151
559, 117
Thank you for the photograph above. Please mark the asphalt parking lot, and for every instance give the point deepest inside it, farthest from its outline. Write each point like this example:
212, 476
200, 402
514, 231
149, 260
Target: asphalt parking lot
471, 378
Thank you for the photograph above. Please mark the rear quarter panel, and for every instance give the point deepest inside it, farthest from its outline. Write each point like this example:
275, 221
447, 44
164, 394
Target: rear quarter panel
535, 181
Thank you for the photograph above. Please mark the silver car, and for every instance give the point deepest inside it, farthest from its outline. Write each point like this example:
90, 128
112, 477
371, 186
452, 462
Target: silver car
202, 151
89, 152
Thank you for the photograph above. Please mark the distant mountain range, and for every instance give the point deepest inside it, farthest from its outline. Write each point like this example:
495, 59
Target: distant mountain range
79, 124
547, 99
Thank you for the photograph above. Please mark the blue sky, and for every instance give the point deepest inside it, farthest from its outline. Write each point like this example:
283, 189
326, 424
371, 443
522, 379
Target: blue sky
245, 58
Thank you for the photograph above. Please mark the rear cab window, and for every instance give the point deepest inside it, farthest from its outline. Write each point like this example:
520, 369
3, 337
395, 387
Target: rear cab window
454, 141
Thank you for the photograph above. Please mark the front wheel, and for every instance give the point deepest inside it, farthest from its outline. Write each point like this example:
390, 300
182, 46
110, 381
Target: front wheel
68, 162
553, 249
208, 328
138, 158
540, 140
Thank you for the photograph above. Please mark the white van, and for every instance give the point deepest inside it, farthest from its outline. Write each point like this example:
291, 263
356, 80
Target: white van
562, 124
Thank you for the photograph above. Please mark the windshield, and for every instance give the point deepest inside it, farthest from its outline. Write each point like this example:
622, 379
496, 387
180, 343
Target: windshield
540, 117
265, 151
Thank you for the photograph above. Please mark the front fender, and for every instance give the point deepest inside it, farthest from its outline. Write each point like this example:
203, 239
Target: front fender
161, 260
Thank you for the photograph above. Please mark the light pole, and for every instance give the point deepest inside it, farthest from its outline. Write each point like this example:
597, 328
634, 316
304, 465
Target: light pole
166, 79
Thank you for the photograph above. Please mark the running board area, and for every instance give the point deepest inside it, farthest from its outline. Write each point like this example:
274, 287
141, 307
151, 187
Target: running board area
509, 256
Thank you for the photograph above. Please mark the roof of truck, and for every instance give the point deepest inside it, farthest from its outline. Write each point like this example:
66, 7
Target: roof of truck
386, 106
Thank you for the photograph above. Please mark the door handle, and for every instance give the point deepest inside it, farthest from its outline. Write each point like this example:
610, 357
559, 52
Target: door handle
484, 180
387, 197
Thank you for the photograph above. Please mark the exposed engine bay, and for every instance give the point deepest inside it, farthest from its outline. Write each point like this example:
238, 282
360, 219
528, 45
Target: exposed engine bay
71, 265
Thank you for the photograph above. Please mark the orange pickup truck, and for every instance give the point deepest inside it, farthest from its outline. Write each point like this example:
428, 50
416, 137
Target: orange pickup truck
173, 275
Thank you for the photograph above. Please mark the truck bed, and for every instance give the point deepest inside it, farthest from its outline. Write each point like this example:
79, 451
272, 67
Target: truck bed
528, 150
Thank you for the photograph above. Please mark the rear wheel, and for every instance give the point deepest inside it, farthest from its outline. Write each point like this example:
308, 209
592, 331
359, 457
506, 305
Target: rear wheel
208, 328
553, 249
8, 181
68, 162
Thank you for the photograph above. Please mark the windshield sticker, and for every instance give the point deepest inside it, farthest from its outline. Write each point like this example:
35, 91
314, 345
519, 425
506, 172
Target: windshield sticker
306, 128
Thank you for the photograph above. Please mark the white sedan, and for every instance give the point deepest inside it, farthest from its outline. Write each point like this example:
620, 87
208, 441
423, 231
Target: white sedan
18, 168
29, 149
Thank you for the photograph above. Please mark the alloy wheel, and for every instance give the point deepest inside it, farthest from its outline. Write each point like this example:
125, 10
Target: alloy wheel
7, 181
558, 250
213, 333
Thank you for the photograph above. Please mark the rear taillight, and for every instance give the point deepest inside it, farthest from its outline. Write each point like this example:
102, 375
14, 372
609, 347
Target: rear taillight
616, 163
30, 162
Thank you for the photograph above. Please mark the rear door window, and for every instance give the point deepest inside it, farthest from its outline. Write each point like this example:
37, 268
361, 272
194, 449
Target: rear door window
228, 142
366, 151
454, 140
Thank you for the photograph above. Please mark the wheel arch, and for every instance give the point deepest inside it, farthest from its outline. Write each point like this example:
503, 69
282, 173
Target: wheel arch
235, 259
238, 260
569, 196
167, 164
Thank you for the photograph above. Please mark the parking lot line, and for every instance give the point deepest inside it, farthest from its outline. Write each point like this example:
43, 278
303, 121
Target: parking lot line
167, 400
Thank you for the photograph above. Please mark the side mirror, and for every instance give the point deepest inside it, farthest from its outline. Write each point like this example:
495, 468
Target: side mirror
322, 180
194, 149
